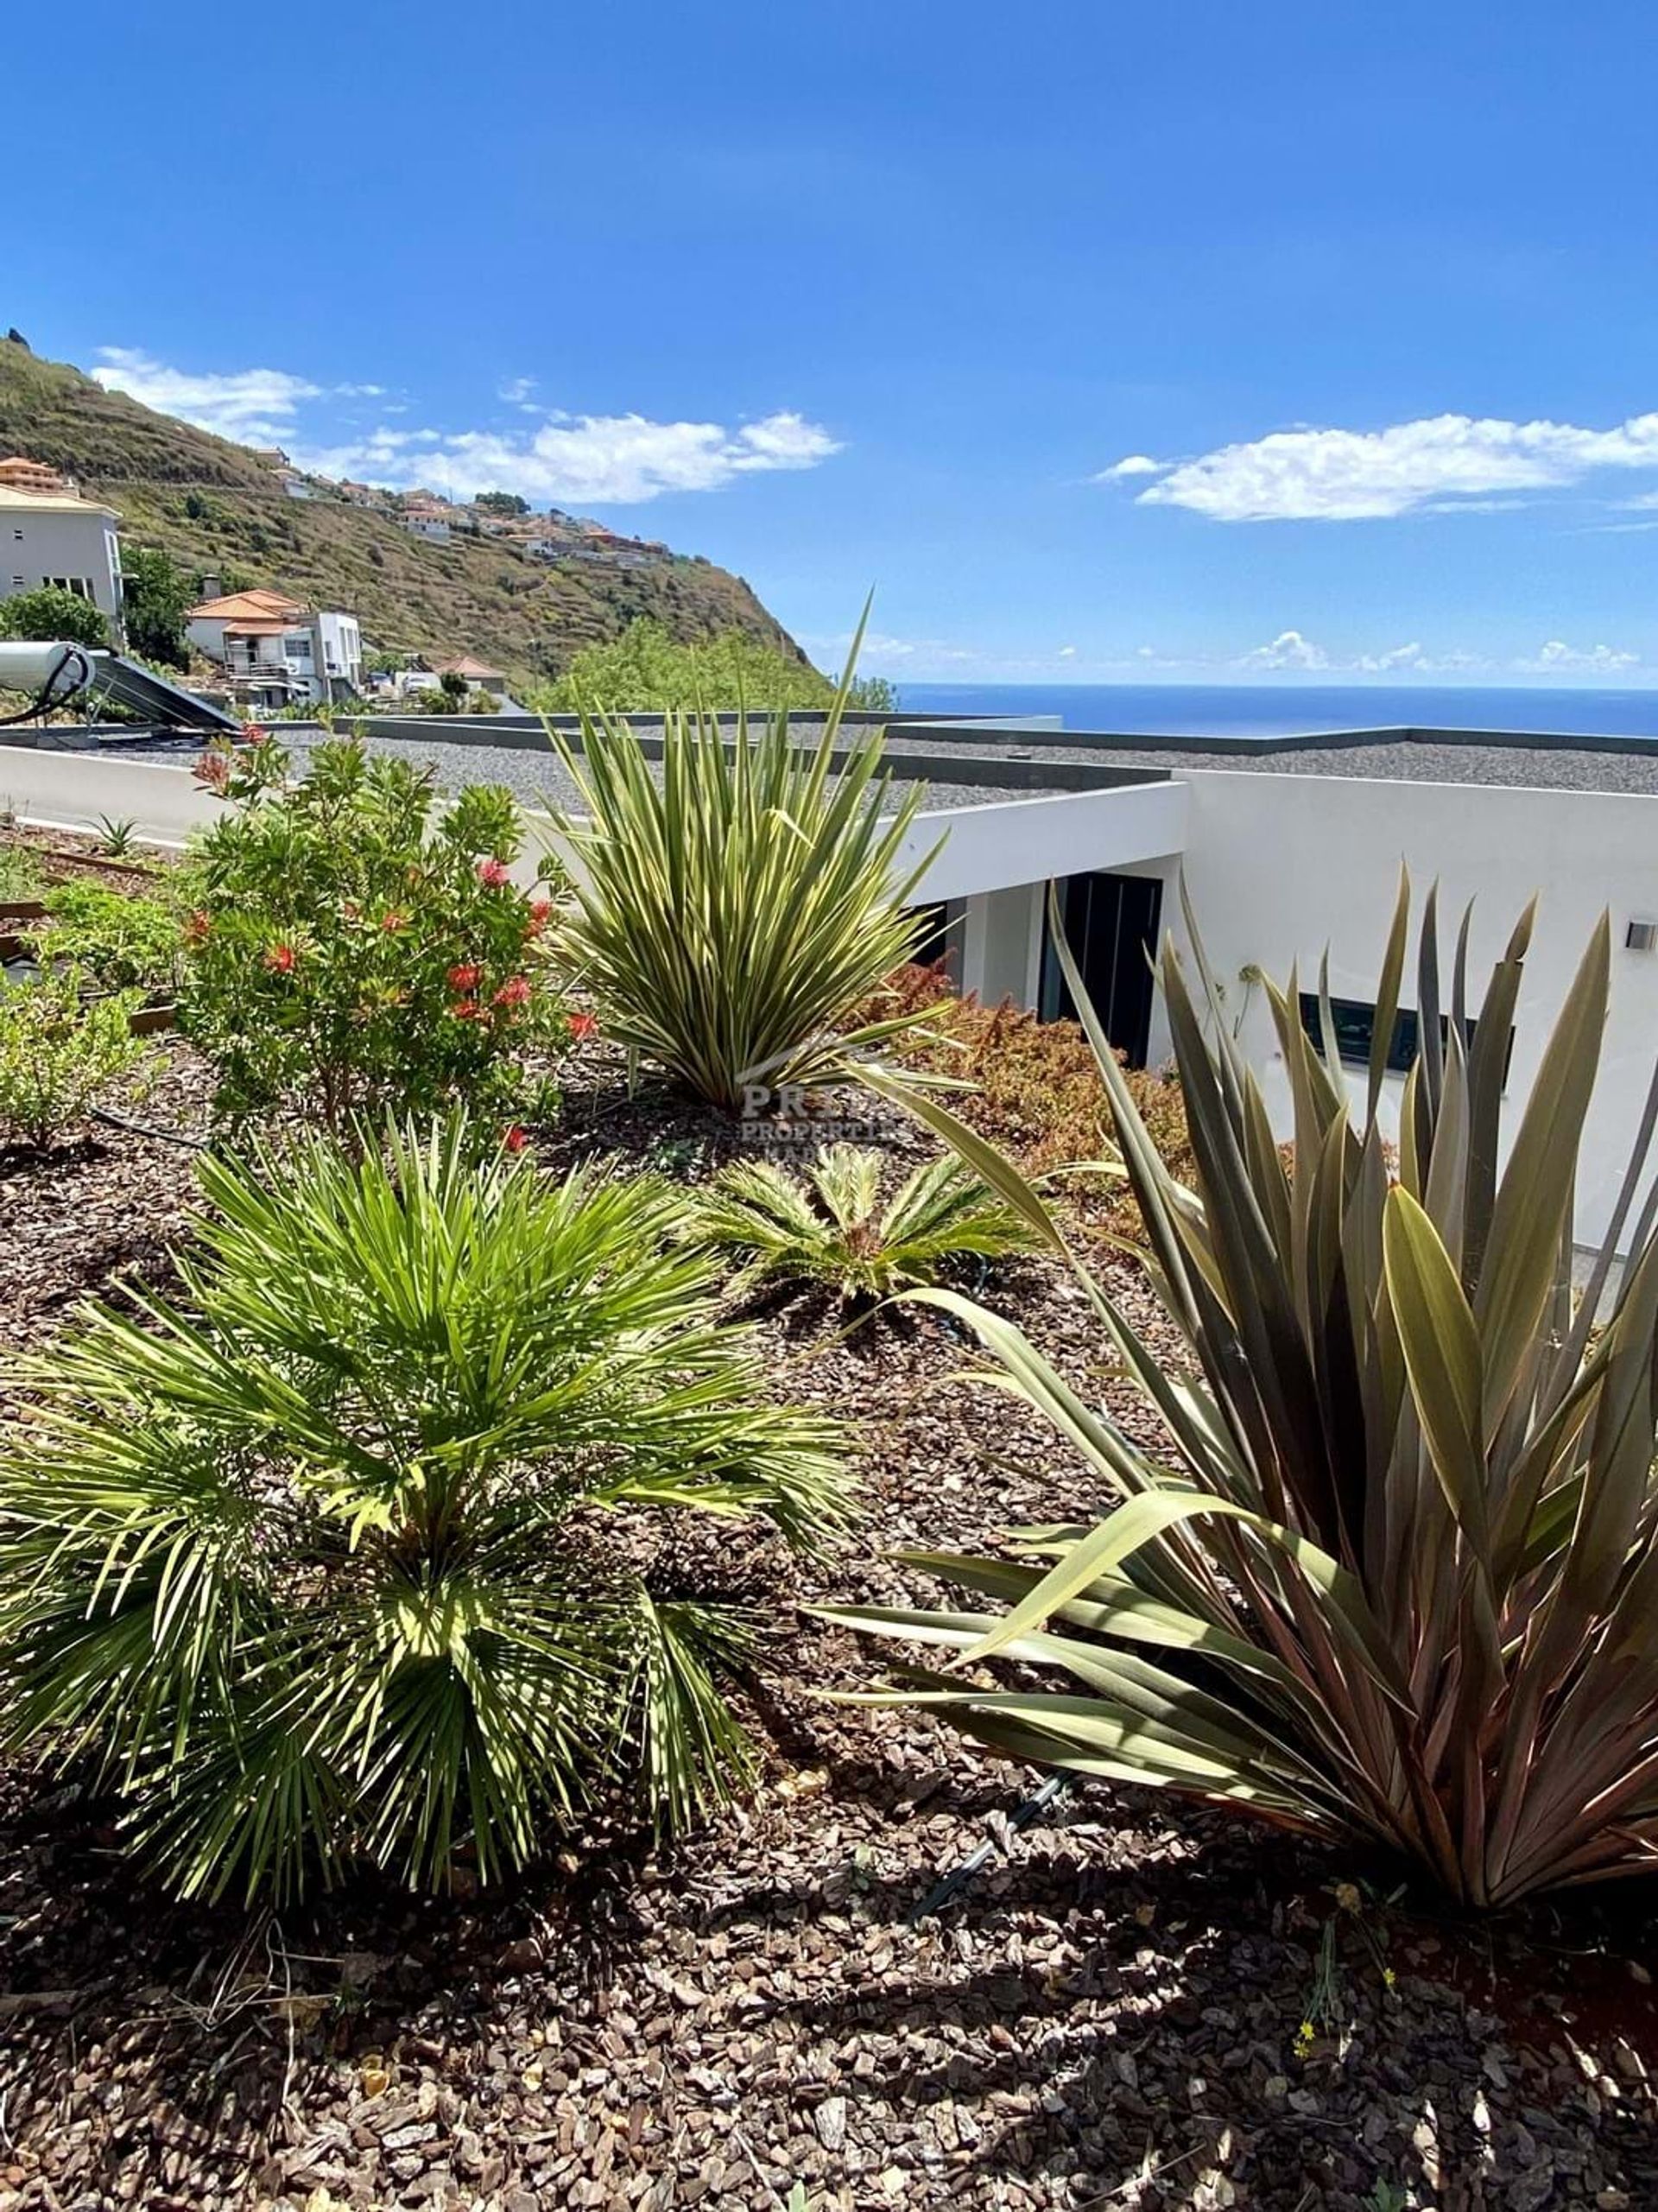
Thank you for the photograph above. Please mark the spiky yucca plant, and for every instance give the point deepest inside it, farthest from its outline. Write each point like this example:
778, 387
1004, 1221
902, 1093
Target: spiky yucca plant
726, 913
331, 1563
1395, 1574
829, 1226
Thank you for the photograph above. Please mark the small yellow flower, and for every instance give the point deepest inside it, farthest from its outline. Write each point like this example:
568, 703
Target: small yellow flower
1347, 1897
1390, 1977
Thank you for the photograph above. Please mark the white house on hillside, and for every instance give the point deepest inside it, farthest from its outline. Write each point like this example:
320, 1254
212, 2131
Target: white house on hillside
277, 653
58, 537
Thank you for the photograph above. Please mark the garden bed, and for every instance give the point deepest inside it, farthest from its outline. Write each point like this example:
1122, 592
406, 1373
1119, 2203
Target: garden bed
1112, 2014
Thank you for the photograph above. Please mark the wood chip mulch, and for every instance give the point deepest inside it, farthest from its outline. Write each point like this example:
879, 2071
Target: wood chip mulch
1110, 2014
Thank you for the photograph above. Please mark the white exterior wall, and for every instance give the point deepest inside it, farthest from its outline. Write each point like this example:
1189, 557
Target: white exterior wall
40, 543
342, 648
1278, 867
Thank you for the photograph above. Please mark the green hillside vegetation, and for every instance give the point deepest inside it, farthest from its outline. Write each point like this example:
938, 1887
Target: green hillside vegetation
219, 508
646, 668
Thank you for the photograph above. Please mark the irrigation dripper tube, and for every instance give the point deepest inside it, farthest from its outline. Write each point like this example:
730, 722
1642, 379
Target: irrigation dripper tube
1051, 1791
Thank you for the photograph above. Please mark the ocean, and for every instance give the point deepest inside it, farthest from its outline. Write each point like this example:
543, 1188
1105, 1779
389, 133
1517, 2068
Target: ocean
1278, 710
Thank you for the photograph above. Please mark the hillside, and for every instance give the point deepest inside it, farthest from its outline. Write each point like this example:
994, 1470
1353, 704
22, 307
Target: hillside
220, 509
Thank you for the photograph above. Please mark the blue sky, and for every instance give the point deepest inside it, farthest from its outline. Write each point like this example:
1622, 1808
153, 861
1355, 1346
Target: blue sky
850, 294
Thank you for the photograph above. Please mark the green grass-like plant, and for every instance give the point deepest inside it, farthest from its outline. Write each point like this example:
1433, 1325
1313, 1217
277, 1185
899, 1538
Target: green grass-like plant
830, 1225
344, 1558
727, 913
60, 1052
1393, 1576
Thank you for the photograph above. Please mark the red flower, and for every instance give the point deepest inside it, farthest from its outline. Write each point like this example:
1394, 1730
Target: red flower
539, 910
196, 928
213, 770
467, 1009
513, 992
253, 734
351, 911
493, 873
583, 1025
513, 1139
281, 959
464, 978
393, 922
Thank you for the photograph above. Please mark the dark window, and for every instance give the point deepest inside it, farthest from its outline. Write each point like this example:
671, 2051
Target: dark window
1354, 1022
1110, 925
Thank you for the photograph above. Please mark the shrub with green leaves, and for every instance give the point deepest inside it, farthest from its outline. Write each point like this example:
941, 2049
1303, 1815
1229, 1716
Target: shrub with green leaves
1393, 1576
123, 941
59, 1053
368, 1552
355, 949
648, 668
830, 1225
728, 912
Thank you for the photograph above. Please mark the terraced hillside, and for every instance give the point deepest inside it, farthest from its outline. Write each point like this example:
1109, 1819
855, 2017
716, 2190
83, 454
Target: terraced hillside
219, 509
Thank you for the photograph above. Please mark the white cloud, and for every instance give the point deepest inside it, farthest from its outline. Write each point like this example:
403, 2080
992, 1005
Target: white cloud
1067, 652
1133, 464
516, 389
1288, 650
1443, 462
252, 405
1557, 657
566, 460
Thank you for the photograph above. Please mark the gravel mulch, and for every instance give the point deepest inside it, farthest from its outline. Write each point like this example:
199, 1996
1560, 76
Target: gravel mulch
1110, 2014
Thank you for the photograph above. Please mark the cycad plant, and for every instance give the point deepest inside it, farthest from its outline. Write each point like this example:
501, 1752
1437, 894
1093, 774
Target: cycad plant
728, 911
830, 1225
346, 1558
1394, 1575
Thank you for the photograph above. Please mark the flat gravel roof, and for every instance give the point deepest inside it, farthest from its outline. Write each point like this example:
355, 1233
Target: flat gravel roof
1557, 764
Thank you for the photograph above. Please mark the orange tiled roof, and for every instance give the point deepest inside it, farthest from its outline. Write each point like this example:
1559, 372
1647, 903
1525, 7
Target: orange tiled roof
258, 605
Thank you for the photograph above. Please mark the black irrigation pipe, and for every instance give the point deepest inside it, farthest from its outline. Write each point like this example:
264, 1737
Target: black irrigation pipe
146, 1129
1051, 1791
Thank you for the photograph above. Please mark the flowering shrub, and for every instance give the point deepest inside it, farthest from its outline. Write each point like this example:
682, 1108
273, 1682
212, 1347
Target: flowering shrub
351, 950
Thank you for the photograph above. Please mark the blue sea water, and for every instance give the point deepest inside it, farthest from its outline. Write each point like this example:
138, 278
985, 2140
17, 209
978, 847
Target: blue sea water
1278, 710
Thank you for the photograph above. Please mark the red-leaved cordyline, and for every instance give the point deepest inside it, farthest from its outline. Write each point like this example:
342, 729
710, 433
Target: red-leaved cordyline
513, 1139
493, 874
513, 992
281, 959
466, 976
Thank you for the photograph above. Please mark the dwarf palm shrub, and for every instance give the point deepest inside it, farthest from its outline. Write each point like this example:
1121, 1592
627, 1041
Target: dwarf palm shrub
1395, 1575
726, 916
829, 1226
343, 1558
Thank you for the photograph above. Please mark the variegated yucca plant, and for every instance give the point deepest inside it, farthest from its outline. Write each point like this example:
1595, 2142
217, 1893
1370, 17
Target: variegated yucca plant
1394, 1577
730, 907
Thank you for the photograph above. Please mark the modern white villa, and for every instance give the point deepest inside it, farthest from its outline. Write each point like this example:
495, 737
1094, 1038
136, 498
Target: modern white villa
1287, 846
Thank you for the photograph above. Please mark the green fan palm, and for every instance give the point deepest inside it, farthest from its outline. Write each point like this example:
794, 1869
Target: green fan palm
341, 1559
830, 1225
1394, 1575
726, 915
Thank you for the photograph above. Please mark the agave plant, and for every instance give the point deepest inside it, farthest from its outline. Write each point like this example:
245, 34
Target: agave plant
1394, 1576
829, 1226
346, 1558
726, 917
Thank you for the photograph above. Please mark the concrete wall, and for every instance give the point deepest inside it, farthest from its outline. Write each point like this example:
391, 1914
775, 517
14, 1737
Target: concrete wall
1279, 867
